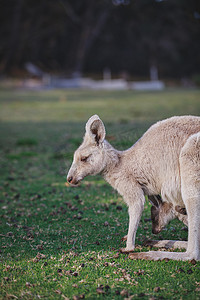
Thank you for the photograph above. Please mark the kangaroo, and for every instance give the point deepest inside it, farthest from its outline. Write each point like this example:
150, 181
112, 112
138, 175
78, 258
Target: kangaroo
164, 161
161, 214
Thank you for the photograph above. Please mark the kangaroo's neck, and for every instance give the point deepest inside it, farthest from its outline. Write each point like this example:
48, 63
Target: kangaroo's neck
119, 167
112, 162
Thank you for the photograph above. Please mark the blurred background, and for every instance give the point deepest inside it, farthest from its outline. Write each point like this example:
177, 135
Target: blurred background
132, 62
128, 39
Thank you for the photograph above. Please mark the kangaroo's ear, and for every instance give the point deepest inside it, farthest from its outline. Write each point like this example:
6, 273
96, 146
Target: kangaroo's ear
155, 200
95, 129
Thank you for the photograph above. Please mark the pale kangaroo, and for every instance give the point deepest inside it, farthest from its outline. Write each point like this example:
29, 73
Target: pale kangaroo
164, 161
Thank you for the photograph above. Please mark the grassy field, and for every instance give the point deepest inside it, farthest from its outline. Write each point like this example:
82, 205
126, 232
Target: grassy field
59, 242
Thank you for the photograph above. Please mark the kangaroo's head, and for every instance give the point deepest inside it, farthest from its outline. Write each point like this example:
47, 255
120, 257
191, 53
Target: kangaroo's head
89, 157
161, 213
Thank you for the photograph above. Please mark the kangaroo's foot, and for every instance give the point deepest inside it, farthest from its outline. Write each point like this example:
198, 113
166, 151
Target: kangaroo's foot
161, 255
126, 250
167, 244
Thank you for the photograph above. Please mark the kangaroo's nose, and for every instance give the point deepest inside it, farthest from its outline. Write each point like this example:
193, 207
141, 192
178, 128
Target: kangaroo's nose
156, 230
69, 179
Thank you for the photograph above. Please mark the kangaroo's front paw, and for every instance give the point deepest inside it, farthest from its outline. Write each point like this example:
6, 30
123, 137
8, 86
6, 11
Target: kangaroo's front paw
126, 250
124, 238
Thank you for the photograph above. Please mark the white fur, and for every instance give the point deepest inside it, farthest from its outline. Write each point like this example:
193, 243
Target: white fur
165, 161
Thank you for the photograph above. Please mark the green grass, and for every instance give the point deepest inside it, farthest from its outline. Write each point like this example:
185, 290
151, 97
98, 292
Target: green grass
59, 242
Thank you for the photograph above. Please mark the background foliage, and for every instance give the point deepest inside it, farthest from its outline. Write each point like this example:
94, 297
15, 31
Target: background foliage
73, 37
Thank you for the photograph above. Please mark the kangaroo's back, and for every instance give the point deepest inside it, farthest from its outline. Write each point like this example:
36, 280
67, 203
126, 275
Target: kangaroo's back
167, 137
172, 131
156, 154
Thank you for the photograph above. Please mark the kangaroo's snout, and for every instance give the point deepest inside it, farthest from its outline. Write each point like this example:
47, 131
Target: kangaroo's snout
156, 230
72, 180
69, 179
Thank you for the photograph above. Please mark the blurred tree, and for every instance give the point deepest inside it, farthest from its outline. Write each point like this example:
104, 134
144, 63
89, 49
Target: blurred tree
73, 36
12, 55
146, 32
89, 23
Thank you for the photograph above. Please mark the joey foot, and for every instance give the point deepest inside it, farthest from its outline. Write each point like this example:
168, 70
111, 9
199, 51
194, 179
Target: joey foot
141, 255
161, 255
168, 244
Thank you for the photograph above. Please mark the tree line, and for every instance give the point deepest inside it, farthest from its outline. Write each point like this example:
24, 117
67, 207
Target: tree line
86, 36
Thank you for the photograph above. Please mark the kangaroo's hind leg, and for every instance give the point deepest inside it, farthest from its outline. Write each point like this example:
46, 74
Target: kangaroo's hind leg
190, 189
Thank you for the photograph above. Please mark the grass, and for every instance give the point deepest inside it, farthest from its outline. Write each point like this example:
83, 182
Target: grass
59, 242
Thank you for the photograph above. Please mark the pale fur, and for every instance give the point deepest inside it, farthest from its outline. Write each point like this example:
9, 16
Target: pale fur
165, 161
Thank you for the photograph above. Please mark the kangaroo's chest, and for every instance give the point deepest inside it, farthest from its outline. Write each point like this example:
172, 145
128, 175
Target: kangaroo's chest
169, 189
171, 192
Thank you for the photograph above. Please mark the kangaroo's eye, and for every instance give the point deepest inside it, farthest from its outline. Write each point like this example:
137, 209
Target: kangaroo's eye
84, 158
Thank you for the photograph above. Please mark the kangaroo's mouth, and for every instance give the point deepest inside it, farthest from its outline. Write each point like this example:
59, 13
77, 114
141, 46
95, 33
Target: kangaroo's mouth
156, 230
73, 181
